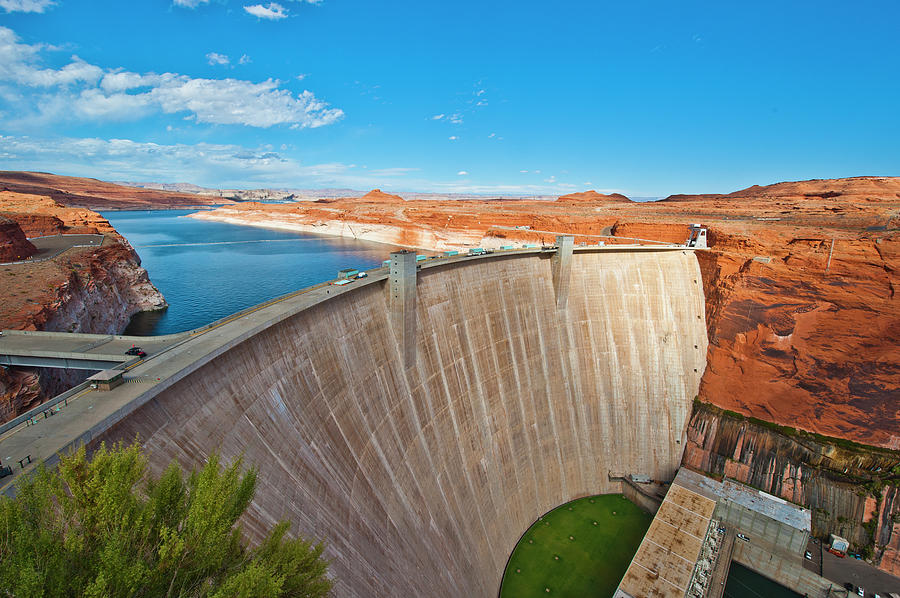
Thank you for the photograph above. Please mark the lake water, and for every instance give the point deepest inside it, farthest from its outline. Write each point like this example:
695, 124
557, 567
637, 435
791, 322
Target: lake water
209, 270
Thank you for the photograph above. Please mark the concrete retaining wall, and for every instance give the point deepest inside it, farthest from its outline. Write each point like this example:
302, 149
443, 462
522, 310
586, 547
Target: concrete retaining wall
421, 479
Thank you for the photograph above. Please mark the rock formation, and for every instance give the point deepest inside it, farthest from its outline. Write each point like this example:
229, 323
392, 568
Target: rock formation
13, 244
84, 289
593, 197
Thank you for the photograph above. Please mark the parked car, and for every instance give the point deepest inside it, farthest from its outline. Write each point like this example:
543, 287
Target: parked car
808, 555
361, 275
743, 537
860, 591
136, 351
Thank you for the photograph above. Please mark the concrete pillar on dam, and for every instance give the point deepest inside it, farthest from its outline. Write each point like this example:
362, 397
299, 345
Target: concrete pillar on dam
402, 303
562, 269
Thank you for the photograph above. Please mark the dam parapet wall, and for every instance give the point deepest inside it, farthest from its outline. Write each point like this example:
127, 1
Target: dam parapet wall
422, 475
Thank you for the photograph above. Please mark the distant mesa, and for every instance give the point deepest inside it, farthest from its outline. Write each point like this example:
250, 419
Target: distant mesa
593, 197
852, 190
381, 197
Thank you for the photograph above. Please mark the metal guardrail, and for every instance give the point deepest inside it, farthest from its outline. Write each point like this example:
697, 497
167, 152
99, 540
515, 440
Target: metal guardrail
72, 393
58, 252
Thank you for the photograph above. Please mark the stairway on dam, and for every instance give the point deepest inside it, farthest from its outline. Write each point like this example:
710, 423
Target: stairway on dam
421, 469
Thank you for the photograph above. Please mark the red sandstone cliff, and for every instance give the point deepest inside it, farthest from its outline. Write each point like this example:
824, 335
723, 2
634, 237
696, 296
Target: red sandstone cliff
593, 197
13, 243
83, 289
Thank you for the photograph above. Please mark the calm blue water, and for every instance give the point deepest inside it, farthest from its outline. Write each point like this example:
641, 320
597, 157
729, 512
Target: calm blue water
209, 270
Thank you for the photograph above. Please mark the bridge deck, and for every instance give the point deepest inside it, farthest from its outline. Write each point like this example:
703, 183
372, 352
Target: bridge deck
170, 358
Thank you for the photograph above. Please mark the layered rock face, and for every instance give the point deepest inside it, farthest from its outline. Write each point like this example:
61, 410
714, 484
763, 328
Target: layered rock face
13, 243
86, 289
422, 478
851, 491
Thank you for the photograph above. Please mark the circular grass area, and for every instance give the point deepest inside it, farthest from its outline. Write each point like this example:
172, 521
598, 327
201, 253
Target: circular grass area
578, 550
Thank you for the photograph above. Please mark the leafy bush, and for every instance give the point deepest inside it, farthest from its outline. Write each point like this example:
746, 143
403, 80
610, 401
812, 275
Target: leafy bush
105, 527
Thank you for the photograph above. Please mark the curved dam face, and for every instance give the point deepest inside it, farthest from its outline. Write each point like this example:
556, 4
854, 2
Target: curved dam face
421, 479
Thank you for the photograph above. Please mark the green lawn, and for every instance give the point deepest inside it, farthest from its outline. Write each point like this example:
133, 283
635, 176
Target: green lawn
578, 550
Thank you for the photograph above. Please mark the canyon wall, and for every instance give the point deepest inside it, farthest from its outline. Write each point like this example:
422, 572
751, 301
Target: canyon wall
421, 479
84, 289
851, 490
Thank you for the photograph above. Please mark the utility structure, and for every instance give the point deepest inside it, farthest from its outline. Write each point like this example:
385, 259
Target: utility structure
562, 269
402, 303
697, 238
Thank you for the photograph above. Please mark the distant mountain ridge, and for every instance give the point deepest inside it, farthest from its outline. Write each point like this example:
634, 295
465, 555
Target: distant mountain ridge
278, 194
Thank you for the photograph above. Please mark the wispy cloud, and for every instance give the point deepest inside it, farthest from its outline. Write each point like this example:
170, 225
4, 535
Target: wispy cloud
453, 138
437, 116
124, 159
462, 173
80, 90
244, 59
189, 3
214, 58
215, 165
272, 11
37, 6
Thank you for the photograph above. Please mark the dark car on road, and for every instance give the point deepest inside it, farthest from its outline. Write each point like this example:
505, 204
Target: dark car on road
136, 351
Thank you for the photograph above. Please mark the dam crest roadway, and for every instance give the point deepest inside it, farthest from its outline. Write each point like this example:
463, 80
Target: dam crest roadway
418, 419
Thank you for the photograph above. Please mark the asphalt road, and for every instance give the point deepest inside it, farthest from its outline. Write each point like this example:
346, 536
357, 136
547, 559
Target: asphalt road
849, 569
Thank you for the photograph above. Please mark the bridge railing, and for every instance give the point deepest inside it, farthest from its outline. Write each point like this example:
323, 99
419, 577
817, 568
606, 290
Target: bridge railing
36, 411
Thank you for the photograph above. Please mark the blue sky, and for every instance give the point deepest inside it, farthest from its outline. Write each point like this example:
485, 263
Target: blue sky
645, 97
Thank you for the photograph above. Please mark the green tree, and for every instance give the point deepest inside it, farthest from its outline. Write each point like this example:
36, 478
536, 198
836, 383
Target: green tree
105, 527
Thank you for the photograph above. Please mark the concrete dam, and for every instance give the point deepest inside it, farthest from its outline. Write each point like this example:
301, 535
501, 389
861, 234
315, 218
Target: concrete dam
421, 452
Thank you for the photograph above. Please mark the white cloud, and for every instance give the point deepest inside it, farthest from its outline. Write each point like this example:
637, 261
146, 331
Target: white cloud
219, 165
214, 58
189, 3
272, 11
244, 59
523, 171
462, 173
215, 165
552, 178
437, 117
301, 76
456, 118
26, 5
93, 104
95, 93
124, 159
123, 80
453, 138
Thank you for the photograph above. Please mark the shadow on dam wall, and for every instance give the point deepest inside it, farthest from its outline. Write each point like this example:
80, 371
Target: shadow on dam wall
422, 479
